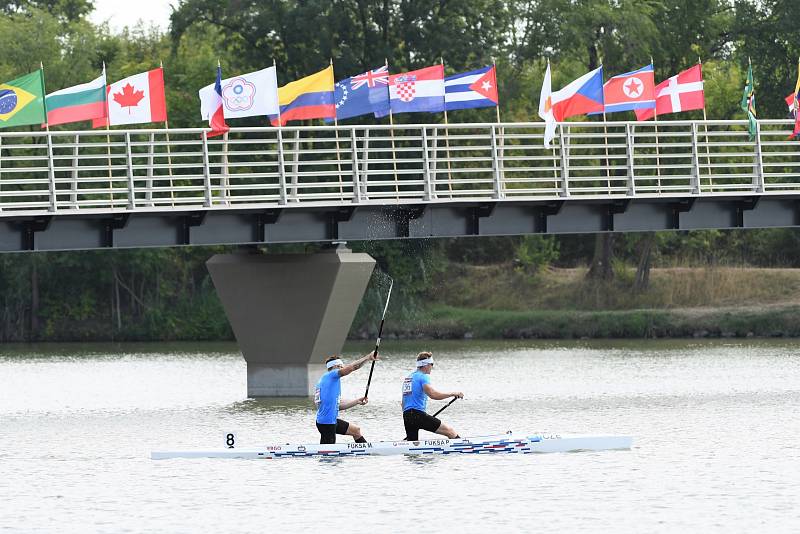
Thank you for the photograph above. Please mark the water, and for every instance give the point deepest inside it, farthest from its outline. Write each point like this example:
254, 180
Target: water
715, 425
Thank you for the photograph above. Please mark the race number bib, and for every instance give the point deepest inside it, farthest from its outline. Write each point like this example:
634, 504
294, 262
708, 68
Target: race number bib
316, 396
407, 386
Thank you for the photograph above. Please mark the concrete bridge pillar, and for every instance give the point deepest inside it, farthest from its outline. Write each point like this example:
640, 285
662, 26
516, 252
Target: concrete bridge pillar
289, 312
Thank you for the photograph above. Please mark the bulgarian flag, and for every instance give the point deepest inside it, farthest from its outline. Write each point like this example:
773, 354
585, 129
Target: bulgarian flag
79, 103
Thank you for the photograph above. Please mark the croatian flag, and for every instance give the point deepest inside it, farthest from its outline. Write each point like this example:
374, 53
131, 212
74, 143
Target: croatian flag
474, 89
211, 107
682, 92
632, 90
363, 94
418, 90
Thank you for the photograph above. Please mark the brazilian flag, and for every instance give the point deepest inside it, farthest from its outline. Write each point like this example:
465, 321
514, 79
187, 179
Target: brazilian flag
22, 101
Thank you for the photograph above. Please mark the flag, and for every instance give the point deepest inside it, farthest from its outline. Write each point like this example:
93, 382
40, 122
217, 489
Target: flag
363, 94
682, 92
211, 106
137, 99
307, 98
796, 131
749, 103
79, 103
580, 97
417, 90
254, 94
630, 91
474, 89
546, 109
22, 100
790, 101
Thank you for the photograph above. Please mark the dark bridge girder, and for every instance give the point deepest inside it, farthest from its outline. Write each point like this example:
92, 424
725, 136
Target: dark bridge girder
76, 231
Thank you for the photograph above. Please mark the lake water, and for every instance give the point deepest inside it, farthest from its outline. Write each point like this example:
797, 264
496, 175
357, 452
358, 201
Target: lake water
716, 429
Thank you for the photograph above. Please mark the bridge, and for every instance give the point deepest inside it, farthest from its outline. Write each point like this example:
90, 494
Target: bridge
66, 190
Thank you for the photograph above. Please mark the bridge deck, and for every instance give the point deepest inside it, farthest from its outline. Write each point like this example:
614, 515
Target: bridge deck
317, 178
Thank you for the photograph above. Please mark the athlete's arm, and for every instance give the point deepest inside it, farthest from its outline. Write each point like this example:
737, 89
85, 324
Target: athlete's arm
350, 367
345, 404
438, 395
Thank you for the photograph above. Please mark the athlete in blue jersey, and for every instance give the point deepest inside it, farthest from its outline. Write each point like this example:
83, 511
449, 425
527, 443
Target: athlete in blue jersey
327, 397
416, 390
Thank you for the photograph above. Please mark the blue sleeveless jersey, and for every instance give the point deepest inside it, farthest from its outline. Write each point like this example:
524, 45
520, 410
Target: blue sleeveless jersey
326, 397
413, 394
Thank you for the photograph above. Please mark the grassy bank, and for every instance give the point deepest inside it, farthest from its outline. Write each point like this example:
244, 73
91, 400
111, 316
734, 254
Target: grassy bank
502, 302
446, 322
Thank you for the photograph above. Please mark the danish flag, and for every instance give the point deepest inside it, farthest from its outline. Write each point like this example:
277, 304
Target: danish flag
682, 92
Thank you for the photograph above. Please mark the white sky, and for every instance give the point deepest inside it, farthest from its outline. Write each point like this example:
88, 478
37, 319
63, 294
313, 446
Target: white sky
121, 13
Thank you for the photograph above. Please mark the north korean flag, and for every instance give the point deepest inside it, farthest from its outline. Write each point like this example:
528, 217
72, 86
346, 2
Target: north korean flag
632, 90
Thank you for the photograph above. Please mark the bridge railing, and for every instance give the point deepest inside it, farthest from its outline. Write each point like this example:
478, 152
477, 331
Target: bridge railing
156, 169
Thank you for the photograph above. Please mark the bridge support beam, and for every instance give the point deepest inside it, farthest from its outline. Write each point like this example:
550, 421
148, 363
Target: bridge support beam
289, 311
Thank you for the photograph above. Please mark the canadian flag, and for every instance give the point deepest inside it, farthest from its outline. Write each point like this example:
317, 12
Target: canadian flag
137, 99
682, 92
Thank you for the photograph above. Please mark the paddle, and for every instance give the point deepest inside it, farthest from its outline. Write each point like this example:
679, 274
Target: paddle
380, 331
443, 408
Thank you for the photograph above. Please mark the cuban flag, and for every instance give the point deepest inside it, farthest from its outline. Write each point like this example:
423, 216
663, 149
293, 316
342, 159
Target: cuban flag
629, 91
211, 107
363, 94
418, 90
474, 89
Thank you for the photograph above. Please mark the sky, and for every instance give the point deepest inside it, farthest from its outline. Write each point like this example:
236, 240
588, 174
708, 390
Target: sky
121, 13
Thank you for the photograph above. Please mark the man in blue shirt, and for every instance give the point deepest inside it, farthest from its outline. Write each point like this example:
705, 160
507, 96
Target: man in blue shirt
416, 390
327, 397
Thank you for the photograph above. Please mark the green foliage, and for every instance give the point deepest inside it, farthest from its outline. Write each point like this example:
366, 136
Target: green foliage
535, 252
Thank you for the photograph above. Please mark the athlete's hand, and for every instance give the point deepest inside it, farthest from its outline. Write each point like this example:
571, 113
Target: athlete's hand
458, 395
372, 356
363, 400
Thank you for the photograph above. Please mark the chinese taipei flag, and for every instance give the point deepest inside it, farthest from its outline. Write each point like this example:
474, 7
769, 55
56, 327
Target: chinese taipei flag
418, 90
629, 91
682, 92
137, 99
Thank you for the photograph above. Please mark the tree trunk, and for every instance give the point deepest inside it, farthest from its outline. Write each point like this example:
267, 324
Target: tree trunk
601, 267
646, 246
34, 297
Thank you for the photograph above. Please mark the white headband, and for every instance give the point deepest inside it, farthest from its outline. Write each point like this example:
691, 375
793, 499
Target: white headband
334, 363
426, 361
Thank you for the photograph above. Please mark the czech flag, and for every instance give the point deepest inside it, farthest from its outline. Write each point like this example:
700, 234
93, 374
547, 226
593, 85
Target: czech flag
581, 97
307, 98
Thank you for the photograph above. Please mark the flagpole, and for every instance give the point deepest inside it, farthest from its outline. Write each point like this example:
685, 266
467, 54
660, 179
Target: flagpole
501, 130
705, 124
108, 140
223, 178
555, 156
655, 126
446, 141
336, 132
391, 133
169, 150
279, 143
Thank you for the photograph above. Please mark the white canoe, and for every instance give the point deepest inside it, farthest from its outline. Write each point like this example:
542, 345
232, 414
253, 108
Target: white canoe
498, 444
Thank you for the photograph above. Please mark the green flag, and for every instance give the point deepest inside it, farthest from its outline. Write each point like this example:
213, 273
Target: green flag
22, 101
749, 102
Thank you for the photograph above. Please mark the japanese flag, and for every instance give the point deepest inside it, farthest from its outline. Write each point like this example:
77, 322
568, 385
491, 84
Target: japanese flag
136, 99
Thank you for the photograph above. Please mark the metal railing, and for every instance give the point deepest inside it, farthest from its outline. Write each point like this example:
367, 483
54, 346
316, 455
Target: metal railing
181, 169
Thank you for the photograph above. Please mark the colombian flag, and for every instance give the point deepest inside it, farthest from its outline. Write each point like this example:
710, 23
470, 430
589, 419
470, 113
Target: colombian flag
307, 98
22, 101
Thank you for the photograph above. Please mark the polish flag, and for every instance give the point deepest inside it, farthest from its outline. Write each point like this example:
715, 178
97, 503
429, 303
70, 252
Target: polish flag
211, 108
682, 92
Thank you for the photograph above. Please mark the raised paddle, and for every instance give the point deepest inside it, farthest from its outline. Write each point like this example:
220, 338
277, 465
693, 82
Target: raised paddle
380, 331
